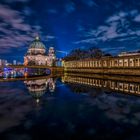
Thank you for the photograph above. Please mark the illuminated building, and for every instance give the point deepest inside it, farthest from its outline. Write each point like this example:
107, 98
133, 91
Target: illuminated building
14, 62
51, 56
130, 61
129, 53
3, 62
0, 62
119, 65
36, 54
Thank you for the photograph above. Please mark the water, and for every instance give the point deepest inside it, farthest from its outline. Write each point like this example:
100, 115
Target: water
70, 107
8, 72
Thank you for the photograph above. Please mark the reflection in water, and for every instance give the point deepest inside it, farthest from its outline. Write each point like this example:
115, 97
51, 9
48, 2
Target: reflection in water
124, 85
37, 88
123, 109
12, 73
92, 114
8, 72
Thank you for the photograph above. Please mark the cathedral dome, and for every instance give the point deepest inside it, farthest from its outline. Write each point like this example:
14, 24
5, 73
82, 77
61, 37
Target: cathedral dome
37, 44
37, 47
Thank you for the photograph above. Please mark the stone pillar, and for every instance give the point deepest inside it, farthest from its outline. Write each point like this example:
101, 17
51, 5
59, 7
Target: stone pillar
123, 62
112, 63
128, 62
134, 60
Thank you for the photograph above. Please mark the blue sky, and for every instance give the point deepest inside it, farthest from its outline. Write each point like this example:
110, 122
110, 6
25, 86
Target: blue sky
112, 25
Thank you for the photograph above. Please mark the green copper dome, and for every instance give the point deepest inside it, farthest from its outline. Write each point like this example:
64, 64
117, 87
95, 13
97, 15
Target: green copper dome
37, 44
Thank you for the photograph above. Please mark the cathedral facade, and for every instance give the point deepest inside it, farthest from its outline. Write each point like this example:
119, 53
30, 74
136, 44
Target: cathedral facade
37, 54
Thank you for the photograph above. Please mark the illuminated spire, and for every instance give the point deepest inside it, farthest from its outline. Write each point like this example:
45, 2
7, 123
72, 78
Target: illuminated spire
37, 37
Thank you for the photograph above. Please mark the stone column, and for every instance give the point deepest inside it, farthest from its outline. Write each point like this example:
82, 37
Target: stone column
134, 62
128, 62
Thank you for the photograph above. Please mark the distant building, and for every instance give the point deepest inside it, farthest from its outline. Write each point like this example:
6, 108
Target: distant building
0, 62
14, 62
128, 53
19, 63
36, 54
3, 62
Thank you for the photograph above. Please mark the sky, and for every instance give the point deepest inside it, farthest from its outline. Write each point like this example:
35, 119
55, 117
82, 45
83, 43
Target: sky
111, 25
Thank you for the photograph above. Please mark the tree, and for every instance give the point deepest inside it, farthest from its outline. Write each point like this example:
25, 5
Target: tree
107, 54
95, 52
78, 54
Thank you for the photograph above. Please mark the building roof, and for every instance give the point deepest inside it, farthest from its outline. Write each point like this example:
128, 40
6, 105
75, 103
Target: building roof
37, 44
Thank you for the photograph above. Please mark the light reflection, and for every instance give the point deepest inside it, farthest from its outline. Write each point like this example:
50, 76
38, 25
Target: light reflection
10, 73
37, 88
107, 83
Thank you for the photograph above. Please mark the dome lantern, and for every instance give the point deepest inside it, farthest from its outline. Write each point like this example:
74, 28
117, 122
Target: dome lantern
37, 38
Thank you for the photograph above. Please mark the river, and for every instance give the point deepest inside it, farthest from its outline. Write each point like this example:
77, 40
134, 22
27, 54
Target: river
69, 107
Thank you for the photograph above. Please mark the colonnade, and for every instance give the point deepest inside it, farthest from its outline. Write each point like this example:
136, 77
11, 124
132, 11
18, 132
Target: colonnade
105, 62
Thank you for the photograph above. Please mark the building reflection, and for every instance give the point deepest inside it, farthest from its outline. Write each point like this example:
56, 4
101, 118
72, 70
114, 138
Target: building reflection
38, 87
118, 84
11, 73
22, 72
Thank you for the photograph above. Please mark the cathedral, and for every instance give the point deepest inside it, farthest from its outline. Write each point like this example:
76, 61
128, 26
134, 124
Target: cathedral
37, 55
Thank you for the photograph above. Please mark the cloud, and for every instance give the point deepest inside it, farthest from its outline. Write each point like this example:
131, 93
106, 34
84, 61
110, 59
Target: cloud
90, 3
70, 7
115, 18
49, 37
112, 48
116, 27
13, 18
80, 28
15, 32
27, 11
137, 18
11, 1
119, 28
89, 40
52, 11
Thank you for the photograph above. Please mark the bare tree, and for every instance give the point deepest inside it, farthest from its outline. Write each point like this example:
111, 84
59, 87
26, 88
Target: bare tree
78, 54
